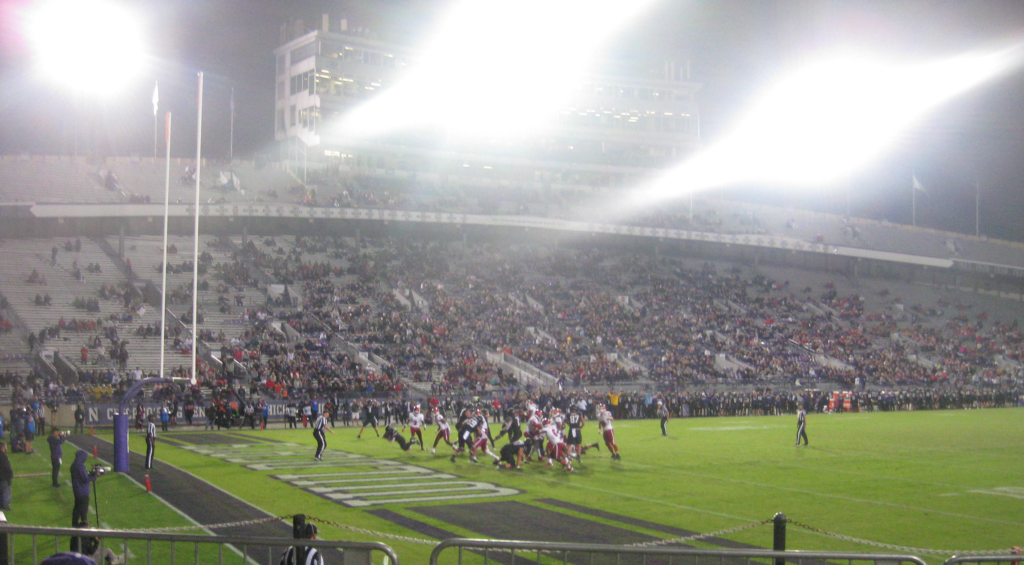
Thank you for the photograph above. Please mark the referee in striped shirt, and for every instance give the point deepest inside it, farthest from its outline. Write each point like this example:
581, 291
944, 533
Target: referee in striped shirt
318, 433
150, 442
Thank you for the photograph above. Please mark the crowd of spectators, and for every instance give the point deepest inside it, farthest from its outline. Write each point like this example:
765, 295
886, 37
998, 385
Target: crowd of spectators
369, 319
589, 317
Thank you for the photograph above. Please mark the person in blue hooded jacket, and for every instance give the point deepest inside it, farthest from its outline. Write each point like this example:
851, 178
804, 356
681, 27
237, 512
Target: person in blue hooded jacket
80, 480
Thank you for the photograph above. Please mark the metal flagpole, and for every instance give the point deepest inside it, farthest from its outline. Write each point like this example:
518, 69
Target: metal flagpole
231, 145
195, 252
167, 204
913, 203
977, 209
156, 98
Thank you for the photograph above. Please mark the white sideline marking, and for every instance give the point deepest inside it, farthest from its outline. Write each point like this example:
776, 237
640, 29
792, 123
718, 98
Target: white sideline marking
1012, 492
181, 513
127, 550
731, 428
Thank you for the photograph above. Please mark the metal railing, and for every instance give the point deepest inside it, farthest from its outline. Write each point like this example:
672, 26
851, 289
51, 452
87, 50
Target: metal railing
522, 552
1007, 558
30, 545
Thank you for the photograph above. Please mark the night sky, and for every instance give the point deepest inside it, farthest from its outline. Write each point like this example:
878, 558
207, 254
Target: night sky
735, 46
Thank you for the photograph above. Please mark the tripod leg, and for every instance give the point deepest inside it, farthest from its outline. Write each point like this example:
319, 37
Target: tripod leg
96, 503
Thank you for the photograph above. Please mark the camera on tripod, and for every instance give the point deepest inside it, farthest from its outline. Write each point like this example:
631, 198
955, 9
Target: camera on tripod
98, 471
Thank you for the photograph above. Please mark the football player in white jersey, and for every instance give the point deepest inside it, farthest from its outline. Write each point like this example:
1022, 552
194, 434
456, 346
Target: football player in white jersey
444, 431
556, 447
604, 421
416, 420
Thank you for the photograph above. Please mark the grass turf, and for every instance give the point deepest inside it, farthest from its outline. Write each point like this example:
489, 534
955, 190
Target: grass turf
123, 504
946, 480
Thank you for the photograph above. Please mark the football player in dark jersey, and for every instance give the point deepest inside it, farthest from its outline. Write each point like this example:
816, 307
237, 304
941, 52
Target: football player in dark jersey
391, 435
512, 427
467, 429
370, 417
512, 455
574, 439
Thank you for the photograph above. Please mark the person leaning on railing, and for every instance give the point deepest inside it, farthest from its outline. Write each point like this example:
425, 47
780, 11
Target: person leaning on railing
91, 547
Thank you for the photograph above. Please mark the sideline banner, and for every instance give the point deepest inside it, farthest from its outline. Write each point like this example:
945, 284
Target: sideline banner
103, 414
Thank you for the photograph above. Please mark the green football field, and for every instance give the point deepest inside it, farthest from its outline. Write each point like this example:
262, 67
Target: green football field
946, 481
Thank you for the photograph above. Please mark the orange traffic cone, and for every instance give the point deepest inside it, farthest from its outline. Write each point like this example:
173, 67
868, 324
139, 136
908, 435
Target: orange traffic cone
149, 486
95, 452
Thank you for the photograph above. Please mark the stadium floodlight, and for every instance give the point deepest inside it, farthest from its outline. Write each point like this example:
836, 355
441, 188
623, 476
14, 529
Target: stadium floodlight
824, 121
496, 68
91, 46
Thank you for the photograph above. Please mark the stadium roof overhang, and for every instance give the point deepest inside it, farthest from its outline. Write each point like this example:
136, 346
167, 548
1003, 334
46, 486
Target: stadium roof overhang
291, 211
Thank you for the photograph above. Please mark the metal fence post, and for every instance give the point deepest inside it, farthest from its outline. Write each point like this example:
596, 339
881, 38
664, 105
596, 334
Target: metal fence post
779, 537
299, 526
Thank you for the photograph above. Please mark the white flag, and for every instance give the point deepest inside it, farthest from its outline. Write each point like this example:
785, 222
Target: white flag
916, 184
156, 97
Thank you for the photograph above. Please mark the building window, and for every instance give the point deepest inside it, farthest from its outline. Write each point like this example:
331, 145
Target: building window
303, 82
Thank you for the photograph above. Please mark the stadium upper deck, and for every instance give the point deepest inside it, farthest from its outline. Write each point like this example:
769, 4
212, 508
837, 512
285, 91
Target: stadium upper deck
54, 182
619, 124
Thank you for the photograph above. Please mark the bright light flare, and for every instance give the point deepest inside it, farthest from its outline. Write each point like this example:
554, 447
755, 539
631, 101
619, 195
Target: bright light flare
91, 46
830, 118
497, 68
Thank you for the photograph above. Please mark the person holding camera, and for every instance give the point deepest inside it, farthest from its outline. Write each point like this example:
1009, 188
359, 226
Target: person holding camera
80, 481
56, 441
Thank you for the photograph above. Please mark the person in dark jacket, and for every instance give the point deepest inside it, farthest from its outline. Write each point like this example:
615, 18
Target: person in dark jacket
6, 476
56, 441
80, 480
79, 420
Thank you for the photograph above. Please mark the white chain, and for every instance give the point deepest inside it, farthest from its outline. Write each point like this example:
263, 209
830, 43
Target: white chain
211, 526
683, 539
373, 533
696, 537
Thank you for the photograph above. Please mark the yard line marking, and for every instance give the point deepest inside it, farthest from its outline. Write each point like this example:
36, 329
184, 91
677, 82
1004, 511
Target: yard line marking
892, 455
641, 498
827, 495
861, 474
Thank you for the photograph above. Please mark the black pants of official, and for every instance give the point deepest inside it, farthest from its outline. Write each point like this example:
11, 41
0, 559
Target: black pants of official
664, 426
55, 465
150, 448
321, 442
80, 513
801, 433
